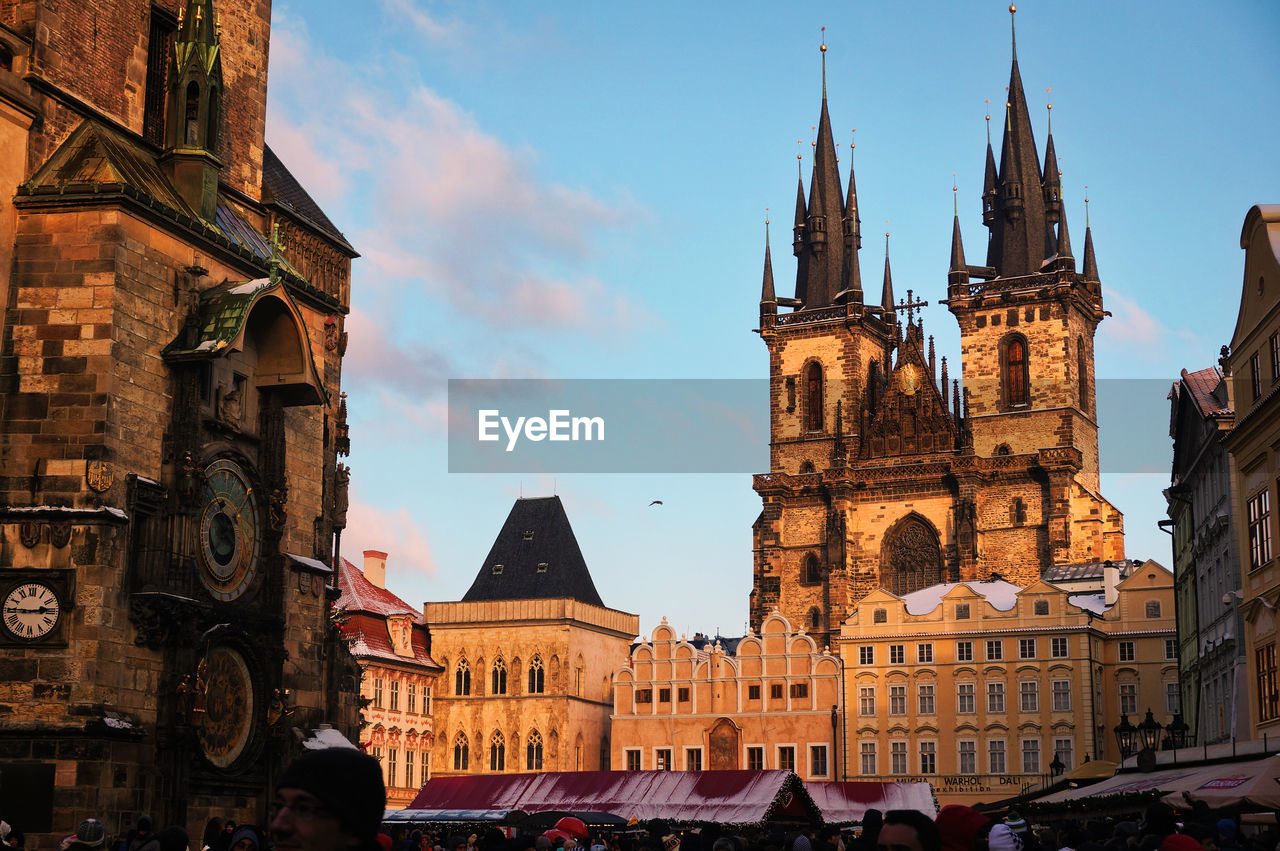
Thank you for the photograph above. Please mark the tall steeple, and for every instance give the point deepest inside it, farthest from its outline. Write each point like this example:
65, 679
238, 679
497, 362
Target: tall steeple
1051, 191
1063, 248
1090, 270
958, 273
820, 271
851, 275
989, 181
886, 291
1018, 230
768, 301
193, 121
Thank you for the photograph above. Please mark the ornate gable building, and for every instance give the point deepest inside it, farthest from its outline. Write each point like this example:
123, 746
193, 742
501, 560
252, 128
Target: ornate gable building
885, 471
392, 644
170, 419
528, 655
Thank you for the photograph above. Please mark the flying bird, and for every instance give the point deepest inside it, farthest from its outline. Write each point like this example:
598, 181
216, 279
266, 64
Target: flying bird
655, 502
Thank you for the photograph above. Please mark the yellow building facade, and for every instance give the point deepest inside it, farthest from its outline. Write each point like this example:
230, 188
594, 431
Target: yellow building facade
528, 655
1253, 377
764, 701
979, 686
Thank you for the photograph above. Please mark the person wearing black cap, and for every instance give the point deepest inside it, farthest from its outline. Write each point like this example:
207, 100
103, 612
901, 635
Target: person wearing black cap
331, 799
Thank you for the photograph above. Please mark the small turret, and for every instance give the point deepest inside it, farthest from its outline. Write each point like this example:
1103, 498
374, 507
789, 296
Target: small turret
797, 242
768, 301
958, 272
886, 291
193, 119
1090, 270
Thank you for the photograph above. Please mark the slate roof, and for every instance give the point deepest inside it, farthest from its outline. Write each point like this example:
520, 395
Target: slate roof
1209, 390
286, 191
538, 557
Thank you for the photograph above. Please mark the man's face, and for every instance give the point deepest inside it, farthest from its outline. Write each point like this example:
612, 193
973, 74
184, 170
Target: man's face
300, 822
898, 837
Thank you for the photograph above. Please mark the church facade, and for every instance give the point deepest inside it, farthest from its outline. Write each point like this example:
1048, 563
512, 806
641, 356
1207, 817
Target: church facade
170, 422
890, 468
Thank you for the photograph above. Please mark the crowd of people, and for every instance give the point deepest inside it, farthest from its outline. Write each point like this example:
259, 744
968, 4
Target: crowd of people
334, 800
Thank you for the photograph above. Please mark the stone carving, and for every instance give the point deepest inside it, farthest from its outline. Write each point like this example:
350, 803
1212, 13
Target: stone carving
99, 475
912, 557
341, 484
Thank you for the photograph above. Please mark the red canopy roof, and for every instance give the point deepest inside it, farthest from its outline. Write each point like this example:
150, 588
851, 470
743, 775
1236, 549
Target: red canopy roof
726, 797
847, 801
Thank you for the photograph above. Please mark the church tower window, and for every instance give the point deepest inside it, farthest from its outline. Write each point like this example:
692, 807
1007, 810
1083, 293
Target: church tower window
1082, 374
812, 570
1016, 375
815, 619
192, 136
813, 396
912, 557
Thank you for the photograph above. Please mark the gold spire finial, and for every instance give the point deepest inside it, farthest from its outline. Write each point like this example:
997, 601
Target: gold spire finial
1013, 30
1049, 108
988, 103
823, 48
955, 194
1086, 206
814, 128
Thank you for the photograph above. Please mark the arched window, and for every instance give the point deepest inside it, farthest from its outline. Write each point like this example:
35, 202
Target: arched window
815, 619
537, 677
461, 749
1018, 511
1016, 392
1003, 449
813, 396
192, 115
911, 558
811, 571
1082, 374
499, 677
533, 752
462, 679
806, 467
497, 752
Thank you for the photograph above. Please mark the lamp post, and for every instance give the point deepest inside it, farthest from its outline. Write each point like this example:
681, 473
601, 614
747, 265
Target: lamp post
1178, 730
1056, 767
1149, 732
1126, 733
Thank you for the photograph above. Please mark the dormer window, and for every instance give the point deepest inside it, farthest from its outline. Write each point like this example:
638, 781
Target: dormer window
497, 570
542, 567
528, 534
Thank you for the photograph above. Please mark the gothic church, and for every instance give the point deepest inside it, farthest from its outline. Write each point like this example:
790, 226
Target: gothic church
887, 471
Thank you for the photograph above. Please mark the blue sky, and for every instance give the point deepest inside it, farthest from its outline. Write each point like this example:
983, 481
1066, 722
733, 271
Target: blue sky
578, 190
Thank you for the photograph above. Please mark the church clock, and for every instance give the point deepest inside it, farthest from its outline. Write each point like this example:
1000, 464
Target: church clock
31, 611
229, 531
226, 727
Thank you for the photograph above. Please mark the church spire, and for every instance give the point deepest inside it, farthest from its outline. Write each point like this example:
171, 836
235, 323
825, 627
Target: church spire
193, 119
1090, 270
1018, 230
886, 291
768, 301
958, 273
989, 181
1063, 248
851, 275
821, 268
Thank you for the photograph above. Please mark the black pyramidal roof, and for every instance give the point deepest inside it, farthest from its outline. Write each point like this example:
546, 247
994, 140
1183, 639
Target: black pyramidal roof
535, 556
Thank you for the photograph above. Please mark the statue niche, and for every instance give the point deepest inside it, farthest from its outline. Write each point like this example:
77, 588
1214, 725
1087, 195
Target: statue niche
911, 557
723, 746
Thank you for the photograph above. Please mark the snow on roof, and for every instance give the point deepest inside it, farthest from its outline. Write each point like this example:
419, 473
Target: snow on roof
1000, 594
250, 286
1096, 603
324, 737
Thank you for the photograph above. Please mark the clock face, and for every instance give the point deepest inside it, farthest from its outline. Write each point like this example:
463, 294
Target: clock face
31, 611
227, 724
228, 531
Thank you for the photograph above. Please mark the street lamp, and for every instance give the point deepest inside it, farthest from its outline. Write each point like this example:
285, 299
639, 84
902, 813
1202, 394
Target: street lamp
1125, 735
1149, 732
1056, 767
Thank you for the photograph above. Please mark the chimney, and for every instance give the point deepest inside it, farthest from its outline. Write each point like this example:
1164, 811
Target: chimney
1110, 581
375, 568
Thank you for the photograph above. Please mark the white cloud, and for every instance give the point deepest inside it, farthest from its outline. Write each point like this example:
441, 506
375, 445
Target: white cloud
1134, 337
421, 20
391, 531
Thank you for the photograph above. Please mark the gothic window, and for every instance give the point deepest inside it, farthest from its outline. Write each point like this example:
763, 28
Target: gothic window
806, 467
1018, 511
812, 571
499, 677
1016, 375
815, 619
461, 750
1003, 449
813, 396
1082, 374
159, 48
192, 125
462, 678
537, 677
211, 134
497, 752
533, 752
912, 557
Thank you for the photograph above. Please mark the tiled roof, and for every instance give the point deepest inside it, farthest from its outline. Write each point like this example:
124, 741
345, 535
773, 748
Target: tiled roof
357, 594
534, 557
367, 639
286, 191
1209, 391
